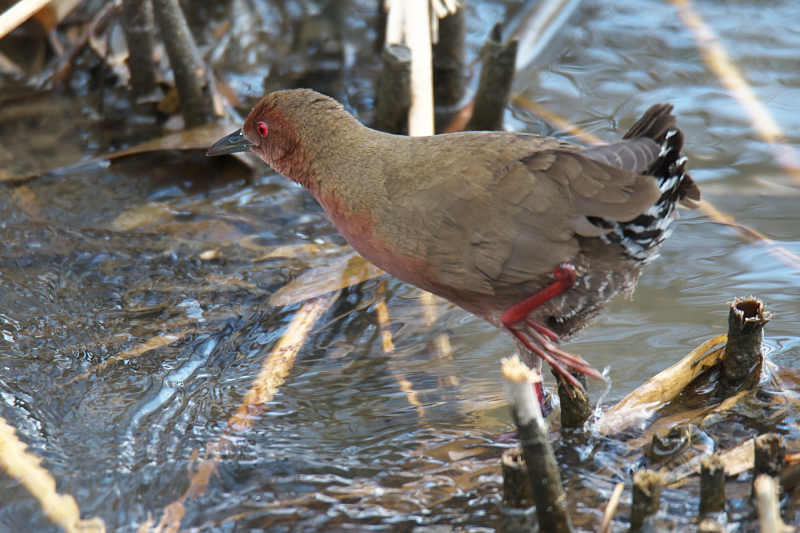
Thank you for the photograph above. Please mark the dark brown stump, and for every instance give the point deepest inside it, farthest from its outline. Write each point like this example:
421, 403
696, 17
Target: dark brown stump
449, 71
394, 93
742, 358
516, 487
646, 497
664, 447
184, 59
575, 407
139, 29
494, 88
545, 480
712, 485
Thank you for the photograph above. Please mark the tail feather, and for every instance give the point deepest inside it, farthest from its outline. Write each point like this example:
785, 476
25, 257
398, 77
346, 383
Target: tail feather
642, 235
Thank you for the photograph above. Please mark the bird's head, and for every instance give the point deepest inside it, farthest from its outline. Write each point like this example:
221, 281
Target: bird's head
286, 128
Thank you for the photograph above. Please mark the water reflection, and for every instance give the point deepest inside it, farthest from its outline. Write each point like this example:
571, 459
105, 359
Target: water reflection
99, 261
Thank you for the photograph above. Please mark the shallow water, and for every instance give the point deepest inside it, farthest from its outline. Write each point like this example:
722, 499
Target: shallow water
101, 259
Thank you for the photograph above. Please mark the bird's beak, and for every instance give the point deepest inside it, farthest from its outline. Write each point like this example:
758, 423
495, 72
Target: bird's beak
230, 144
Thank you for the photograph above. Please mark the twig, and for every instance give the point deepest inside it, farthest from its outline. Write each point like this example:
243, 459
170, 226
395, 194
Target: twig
25, 467
184, 59
746, 321
382, 314
611, 507
548, 494
428, 302
279, 362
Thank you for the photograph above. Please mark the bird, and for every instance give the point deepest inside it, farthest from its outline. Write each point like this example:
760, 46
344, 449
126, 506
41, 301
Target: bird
531, 233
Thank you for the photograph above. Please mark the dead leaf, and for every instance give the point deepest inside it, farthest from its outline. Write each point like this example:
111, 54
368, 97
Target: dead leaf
348, 270
143, 215
200, 138
209, 255
293, 251
26, 200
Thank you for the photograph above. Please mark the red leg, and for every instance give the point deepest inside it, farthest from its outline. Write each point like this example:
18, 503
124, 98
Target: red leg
539, 339
565, 280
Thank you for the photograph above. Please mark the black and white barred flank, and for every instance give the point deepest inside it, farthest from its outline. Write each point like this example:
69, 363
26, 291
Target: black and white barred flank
656, 141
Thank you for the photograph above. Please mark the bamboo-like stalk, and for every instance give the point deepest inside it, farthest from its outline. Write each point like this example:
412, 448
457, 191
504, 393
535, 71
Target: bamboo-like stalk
139, 28
418, 39
279, 362
548, 494
611, 507
184, 59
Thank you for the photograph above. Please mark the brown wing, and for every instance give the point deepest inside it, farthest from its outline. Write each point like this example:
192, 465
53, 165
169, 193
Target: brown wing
503, 218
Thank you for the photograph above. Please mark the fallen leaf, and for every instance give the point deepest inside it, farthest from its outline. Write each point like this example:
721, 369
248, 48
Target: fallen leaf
349, 270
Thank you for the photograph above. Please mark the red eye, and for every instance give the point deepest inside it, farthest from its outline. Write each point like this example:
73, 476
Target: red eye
262, 129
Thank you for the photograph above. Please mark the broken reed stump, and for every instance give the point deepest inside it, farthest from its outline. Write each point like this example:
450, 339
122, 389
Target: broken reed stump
545, 480
184, 59
712, 485
138, 23
516, 487
494, 88
449, 70
575, 407
768, 456
394, 91
662, 448
742, 359
646, 497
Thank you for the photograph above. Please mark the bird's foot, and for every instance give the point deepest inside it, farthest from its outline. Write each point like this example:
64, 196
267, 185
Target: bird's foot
562, 361
541, 340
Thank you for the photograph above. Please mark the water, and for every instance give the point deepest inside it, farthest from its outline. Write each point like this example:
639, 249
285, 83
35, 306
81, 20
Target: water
99, 260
